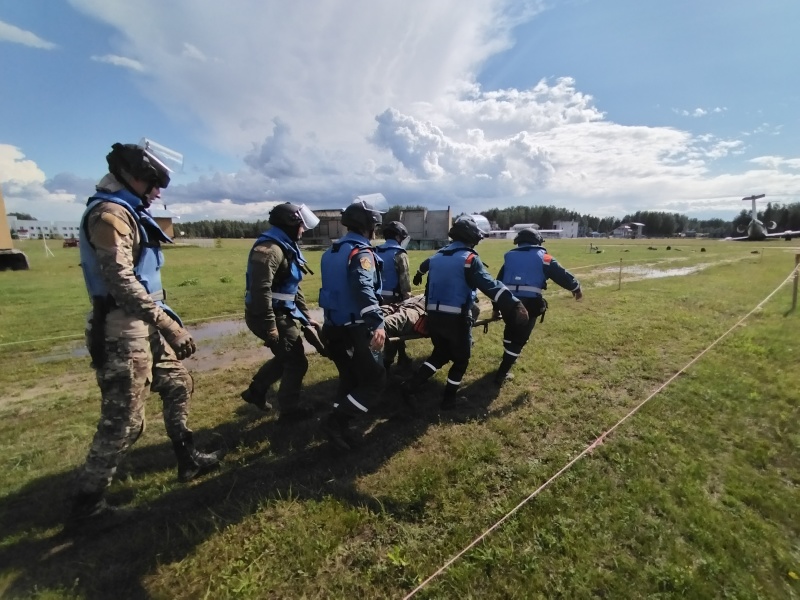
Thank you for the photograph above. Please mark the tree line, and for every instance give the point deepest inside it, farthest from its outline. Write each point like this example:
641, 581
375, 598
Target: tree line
656, 224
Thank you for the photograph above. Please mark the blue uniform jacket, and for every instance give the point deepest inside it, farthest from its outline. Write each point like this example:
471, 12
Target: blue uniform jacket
150, 260
391, 280
527, 268
459, 267
284, 293
351, 283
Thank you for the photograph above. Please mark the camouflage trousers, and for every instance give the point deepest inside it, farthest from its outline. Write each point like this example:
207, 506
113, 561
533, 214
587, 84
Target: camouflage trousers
133, 367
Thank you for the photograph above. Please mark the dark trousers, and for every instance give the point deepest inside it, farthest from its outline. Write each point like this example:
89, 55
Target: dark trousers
288, 364
451, 336
516, 336
361, 373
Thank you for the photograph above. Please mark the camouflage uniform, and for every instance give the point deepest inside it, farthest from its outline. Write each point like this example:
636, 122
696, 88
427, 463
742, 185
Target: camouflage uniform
289, 364
399, 318
137, 356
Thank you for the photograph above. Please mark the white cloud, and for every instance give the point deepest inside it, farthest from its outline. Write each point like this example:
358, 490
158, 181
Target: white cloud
325, 101
193, 52
15, 35
120, 61
26, 189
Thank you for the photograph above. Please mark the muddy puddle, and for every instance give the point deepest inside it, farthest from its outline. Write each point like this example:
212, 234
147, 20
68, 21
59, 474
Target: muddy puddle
214, 340
639, 272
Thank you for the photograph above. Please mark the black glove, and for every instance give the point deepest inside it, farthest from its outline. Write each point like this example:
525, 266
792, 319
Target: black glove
312, 337
417, 278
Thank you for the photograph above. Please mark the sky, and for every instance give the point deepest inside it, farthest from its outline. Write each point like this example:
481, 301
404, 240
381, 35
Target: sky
606, 107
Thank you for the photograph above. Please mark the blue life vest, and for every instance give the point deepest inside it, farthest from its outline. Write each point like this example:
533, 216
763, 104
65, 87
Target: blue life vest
284, 292
391, 280
147, 268
338, 301
448, 290
523, 271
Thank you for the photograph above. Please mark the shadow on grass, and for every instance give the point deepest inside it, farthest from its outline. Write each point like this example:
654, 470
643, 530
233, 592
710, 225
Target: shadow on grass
38, 554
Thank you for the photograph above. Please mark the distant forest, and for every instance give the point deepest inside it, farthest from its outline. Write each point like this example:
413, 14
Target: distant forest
656, 224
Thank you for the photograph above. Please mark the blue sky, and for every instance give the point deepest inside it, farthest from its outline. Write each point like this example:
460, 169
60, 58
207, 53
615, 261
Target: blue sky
606, 107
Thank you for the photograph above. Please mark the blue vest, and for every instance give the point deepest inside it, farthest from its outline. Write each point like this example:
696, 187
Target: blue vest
523, 271
284, 293
448, 290
390, 278
147, 268
336, 298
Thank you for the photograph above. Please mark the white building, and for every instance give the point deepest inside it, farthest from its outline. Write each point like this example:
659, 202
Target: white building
569, 229
27, 229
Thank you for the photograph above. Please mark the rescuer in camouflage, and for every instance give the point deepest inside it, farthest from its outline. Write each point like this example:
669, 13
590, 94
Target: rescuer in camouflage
135, 340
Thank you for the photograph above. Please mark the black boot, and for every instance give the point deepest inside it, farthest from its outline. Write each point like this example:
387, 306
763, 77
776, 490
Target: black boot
255, 398
191, 462
90, 511
500, 378
336, 427
88, 506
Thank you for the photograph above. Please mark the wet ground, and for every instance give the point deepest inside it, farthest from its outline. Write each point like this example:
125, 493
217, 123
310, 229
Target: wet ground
220, 344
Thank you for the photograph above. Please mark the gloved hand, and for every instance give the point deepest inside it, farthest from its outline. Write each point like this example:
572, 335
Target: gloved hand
273, 337
577, 294
313, 337
495, 313
417, 278
180, 340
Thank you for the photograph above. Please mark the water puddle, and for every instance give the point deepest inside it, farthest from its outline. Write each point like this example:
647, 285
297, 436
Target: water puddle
214, 341
639, 272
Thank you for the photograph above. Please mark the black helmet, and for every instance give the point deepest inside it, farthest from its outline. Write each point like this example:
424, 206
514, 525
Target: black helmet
286, 215
138, 163
466, 230
528, 236
394, 229
361, 216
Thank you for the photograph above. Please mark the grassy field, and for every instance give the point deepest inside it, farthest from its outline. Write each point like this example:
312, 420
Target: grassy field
697, 495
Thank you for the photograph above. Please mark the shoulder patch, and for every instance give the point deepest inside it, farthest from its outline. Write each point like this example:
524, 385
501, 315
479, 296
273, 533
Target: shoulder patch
116, 222
366, 263
546, 259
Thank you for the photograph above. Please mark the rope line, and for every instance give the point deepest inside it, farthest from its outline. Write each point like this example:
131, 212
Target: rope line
594, 444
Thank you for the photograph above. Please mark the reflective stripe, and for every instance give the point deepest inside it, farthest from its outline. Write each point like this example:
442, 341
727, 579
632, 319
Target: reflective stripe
430, 366
457, 310
526, 288
284, 297
388, 293
371, 308
159, 295
497, 295
356, 322
451, 382
507, 351
360, 407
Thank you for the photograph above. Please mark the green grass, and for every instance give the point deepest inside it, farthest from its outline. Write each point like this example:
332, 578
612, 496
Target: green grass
694, 496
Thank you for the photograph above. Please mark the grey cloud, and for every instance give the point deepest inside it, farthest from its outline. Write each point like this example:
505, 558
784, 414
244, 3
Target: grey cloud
67, 183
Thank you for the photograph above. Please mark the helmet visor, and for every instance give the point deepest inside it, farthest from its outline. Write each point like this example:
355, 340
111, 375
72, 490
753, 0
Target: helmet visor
310, 220
166, 158
373, 202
